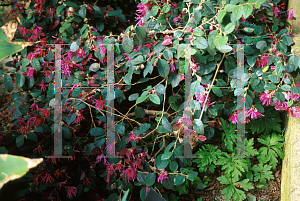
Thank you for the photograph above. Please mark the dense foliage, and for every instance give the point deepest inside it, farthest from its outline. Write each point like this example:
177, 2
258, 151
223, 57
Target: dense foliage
150, 95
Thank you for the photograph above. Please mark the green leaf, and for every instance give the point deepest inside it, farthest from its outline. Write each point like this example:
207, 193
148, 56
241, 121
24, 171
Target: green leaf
71, 118
96, 131
246, 10
143, 193
59, 8
225, 49
261, 45
168, 183
287, 40
237, 13
230, 7
245, 184
141, 34
262, 172
198, 126
223, 180
133, 97
19, 140
251, 60
141, 99
219, 40
36, 64
179, 179
137, 60
258, 30
162, 19
272, 149
14, 167
177, 34
280, 96
166, 156
248, 29
144, 127
166, 124
221, 15
82, 12
274, 78
173, 166
139, 112
71, 4
154, 99
166, 8
160, 89
262, 185
25, 62
229, 28
3, 36
120, 128
124, 198
127, 45
154, 10
217, 91
94, 67
286, 87
20, 80
100, 26
8, 83
249, 148
275, 28
163, 68
197, 16
209, 7
192, 175
270, 87
201, 43
161, 164
8, 48
150, 179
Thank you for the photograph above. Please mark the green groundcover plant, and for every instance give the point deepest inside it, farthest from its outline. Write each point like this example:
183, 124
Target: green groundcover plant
149, 96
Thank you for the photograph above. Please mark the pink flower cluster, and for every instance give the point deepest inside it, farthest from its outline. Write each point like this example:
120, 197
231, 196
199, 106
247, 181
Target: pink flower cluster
291, 14
142, 9
202, 97
163, 176
253, 113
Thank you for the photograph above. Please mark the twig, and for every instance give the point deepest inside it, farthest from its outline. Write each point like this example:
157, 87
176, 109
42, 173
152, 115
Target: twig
218, 66
8, 104
162, 114
151, 112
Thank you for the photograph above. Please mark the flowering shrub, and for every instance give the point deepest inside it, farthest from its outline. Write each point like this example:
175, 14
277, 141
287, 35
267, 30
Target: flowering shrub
149, 93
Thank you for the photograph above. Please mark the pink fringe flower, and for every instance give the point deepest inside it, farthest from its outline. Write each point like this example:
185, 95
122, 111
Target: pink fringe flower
163, 176
291, 14
140, 12
253, 113
276, 11
30, 71
266, 97
71, 191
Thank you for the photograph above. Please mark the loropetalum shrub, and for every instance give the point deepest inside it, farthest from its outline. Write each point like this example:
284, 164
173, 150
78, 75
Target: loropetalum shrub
149, 94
